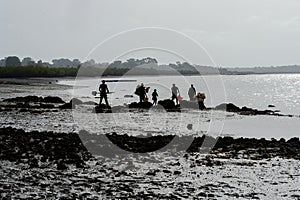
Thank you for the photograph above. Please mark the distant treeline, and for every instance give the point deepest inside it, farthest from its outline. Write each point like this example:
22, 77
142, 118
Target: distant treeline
35, 71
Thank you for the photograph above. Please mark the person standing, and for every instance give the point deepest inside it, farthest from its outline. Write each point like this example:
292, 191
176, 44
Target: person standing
192, 93
103, 89
175, 93
154, 97
142, 92
200, 98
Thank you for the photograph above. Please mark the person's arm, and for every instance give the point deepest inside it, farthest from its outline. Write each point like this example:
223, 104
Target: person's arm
107, 89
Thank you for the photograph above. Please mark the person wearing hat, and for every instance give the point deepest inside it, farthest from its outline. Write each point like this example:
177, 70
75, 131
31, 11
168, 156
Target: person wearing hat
103, 89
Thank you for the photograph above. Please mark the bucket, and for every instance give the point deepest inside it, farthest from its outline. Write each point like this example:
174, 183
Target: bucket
180, 98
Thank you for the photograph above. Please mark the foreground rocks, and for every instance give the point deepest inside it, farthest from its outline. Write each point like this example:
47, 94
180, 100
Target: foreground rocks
35, 147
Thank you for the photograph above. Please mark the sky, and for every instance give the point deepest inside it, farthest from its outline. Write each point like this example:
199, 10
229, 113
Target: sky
227, 33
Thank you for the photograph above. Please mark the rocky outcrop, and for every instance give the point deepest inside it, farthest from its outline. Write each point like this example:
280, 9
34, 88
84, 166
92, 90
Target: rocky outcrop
230, 107
51, 99
18, 145
48, 99
169, 105
34, 147
25, 99
141, 105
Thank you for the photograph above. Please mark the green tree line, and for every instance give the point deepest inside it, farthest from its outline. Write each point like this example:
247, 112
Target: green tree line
35, 71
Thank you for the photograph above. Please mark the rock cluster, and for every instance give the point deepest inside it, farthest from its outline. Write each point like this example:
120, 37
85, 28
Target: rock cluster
35, 147
61, 148
230, 107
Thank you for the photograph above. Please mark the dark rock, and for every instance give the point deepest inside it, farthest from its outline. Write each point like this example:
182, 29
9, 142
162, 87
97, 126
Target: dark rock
67, 106
166, 171
271, 106
140, 144
128, 96
141, 105
202, 194
177, 172
167, 104
61, 166
50, 99
75, 101
190, 126
229, 107
294, 140
23, 110
34, 163
24, 99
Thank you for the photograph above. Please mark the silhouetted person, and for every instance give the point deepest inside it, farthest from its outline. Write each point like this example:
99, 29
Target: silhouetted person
175, 93
142, 91
200, 98
192, 93
154, 97
103, 89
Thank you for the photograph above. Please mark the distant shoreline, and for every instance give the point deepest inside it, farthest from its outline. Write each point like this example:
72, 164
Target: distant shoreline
44, 79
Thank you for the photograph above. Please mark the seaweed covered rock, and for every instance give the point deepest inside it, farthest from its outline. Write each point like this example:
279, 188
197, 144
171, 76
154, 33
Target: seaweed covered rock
76, 101
142, 105
167, 104
24, 99
35, 99
229, 107
18, 145
50, 99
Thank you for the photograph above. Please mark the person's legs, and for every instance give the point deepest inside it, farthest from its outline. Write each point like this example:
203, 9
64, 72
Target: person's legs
101, 98
105, 98
174, 97
141, 98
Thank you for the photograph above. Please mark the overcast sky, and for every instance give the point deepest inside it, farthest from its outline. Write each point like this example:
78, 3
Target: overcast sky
234, 32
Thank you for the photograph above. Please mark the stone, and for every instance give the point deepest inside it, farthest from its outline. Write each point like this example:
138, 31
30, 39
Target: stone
50, 99
75, 101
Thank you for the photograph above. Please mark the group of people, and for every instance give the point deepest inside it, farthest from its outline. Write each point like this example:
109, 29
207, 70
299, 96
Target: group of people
192, 95
142, 91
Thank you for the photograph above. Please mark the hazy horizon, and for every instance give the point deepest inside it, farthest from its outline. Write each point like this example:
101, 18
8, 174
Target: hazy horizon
235, 33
